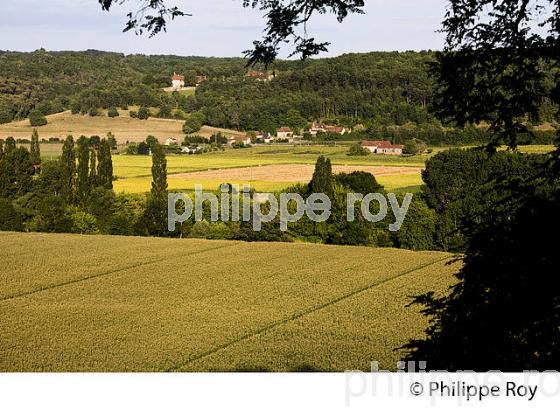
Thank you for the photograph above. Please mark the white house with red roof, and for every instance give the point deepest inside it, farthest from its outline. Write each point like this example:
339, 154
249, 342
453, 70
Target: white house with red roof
382, 147
244, 139
177, 81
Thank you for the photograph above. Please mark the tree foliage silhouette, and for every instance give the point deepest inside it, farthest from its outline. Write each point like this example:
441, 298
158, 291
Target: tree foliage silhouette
505, 311
284, 20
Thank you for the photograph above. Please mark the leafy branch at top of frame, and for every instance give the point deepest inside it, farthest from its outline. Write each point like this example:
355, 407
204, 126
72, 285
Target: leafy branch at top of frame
284, 18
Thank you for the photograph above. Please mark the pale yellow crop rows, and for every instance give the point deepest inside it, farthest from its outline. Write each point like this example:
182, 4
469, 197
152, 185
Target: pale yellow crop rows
94, 303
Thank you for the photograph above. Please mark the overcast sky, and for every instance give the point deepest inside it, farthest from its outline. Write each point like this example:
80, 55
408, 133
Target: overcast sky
217, 27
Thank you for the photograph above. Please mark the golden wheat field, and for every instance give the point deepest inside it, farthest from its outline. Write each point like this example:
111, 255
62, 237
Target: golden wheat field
101, 303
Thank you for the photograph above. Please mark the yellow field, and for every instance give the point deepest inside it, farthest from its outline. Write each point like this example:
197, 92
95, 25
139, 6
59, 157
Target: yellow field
134, 172
123, 127
150, 304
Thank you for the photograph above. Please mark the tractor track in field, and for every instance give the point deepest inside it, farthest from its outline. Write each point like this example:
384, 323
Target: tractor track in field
299, 315
110, 272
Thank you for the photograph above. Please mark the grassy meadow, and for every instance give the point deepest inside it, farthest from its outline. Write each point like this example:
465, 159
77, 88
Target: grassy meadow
153, 304
123, 127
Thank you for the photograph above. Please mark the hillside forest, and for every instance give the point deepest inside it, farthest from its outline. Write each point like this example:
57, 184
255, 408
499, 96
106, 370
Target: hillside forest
380, 94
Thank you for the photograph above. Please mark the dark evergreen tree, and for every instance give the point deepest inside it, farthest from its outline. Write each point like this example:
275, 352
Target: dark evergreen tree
35, 148
16, 173
93, 169
10, 219
68, 170
322, 180
156, 208
105, 165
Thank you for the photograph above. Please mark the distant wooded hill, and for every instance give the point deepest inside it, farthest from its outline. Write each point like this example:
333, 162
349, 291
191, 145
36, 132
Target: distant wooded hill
374, 89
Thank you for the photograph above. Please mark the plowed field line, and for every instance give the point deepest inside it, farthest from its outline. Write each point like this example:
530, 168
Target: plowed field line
298, 316
110, 272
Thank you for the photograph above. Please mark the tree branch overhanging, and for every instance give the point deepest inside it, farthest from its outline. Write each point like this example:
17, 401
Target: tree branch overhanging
284, 19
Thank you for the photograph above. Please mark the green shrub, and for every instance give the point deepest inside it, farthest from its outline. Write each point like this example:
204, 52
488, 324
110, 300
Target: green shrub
82, 222
358, 150
37, 118
143, 113
193, 123
112, 112
201, 229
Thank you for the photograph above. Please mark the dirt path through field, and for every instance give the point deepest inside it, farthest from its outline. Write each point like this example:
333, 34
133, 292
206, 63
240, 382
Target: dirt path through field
290, 172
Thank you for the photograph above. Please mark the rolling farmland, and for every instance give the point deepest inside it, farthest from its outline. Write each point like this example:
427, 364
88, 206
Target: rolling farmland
123, 127
97, 303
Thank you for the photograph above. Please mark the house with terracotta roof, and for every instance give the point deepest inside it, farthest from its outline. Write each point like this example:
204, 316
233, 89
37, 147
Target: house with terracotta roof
177, 81
259, 75
243, 139
284, 133
382, 147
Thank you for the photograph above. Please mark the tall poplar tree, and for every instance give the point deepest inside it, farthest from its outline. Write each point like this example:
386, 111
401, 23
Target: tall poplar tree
104, 165
322, 180
93, 180
156, 208
68, 170
35, 148
83, 186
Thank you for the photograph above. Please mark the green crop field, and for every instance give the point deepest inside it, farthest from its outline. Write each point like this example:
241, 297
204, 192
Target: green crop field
95, 303
134, 172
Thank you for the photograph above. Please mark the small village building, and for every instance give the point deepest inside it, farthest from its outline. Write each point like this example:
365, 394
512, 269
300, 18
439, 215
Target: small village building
171, 141
328, 129
243, 139
193, 149
177, 81
284, 133
382, 147
264, 137
260, 75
